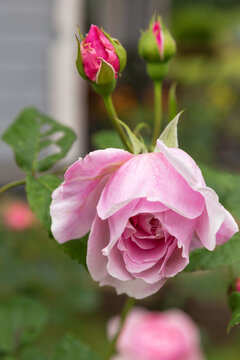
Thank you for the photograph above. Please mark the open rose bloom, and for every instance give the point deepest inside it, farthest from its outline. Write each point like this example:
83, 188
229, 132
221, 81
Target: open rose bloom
168, 335
145, 213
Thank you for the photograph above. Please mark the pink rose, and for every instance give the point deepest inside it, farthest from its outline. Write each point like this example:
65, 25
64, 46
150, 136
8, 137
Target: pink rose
145, 214
168, 335
95, 48
18, 216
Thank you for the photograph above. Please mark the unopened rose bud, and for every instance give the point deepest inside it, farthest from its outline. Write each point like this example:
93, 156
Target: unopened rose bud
237, 284
100, 59
157, 46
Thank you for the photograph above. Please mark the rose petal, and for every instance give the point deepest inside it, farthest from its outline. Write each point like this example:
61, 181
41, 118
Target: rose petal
136, 288
98, 238
211, 219
116, 266
184, 165
149, 176
228, 228
73, 207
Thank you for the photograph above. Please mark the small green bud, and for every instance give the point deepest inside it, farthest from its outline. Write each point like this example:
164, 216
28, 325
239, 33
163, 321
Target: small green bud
157, 46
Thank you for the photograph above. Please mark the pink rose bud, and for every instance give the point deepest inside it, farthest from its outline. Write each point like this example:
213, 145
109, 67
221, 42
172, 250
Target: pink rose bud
145, 214
100, 57
168, 335
237, 284
18, 216
157, 46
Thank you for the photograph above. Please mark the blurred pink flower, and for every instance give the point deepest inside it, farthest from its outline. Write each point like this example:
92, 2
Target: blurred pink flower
95, 48
237, 284
168, 335
145, 214
18, 216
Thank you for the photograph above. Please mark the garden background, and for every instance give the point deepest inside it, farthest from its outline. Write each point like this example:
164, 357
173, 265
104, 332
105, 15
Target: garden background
37, 67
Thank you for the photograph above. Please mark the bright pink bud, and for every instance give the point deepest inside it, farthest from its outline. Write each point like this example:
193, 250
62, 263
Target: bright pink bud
18, 216
159, 36
95, 48
237, 284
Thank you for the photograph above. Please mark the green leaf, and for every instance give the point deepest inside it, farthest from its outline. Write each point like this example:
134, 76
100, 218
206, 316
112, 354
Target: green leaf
76, 249
169, 135
234, 304
31, 133
223, 255
172, 105
21, 321
106, 139
137, 145
32, 353
70, 348
39, 192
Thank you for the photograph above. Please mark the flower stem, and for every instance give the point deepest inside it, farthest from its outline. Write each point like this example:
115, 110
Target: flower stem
11, 185
114, 119
126, 308
157, 110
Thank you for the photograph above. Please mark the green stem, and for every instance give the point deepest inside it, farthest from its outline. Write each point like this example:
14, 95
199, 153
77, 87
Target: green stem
126, 308
114, 119
157, 110
11, 185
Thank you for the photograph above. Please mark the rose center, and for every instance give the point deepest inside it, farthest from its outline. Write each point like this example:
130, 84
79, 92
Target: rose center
154, 223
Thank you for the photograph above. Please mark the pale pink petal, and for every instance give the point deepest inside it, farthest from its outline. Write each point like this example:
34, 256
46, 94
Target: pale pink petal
73, 207
227, 229
184, 165
179, 227
116, 266
136, 268
136, 288
211, 219
149, 176
98, 238
175, 262
150, 207
117, 223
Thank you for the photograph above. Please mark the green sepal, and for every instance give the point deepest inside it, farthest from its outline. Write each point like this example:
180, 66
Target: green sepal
137, 145
169, 136
105, 89
119, 49
105, 74
79, 63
